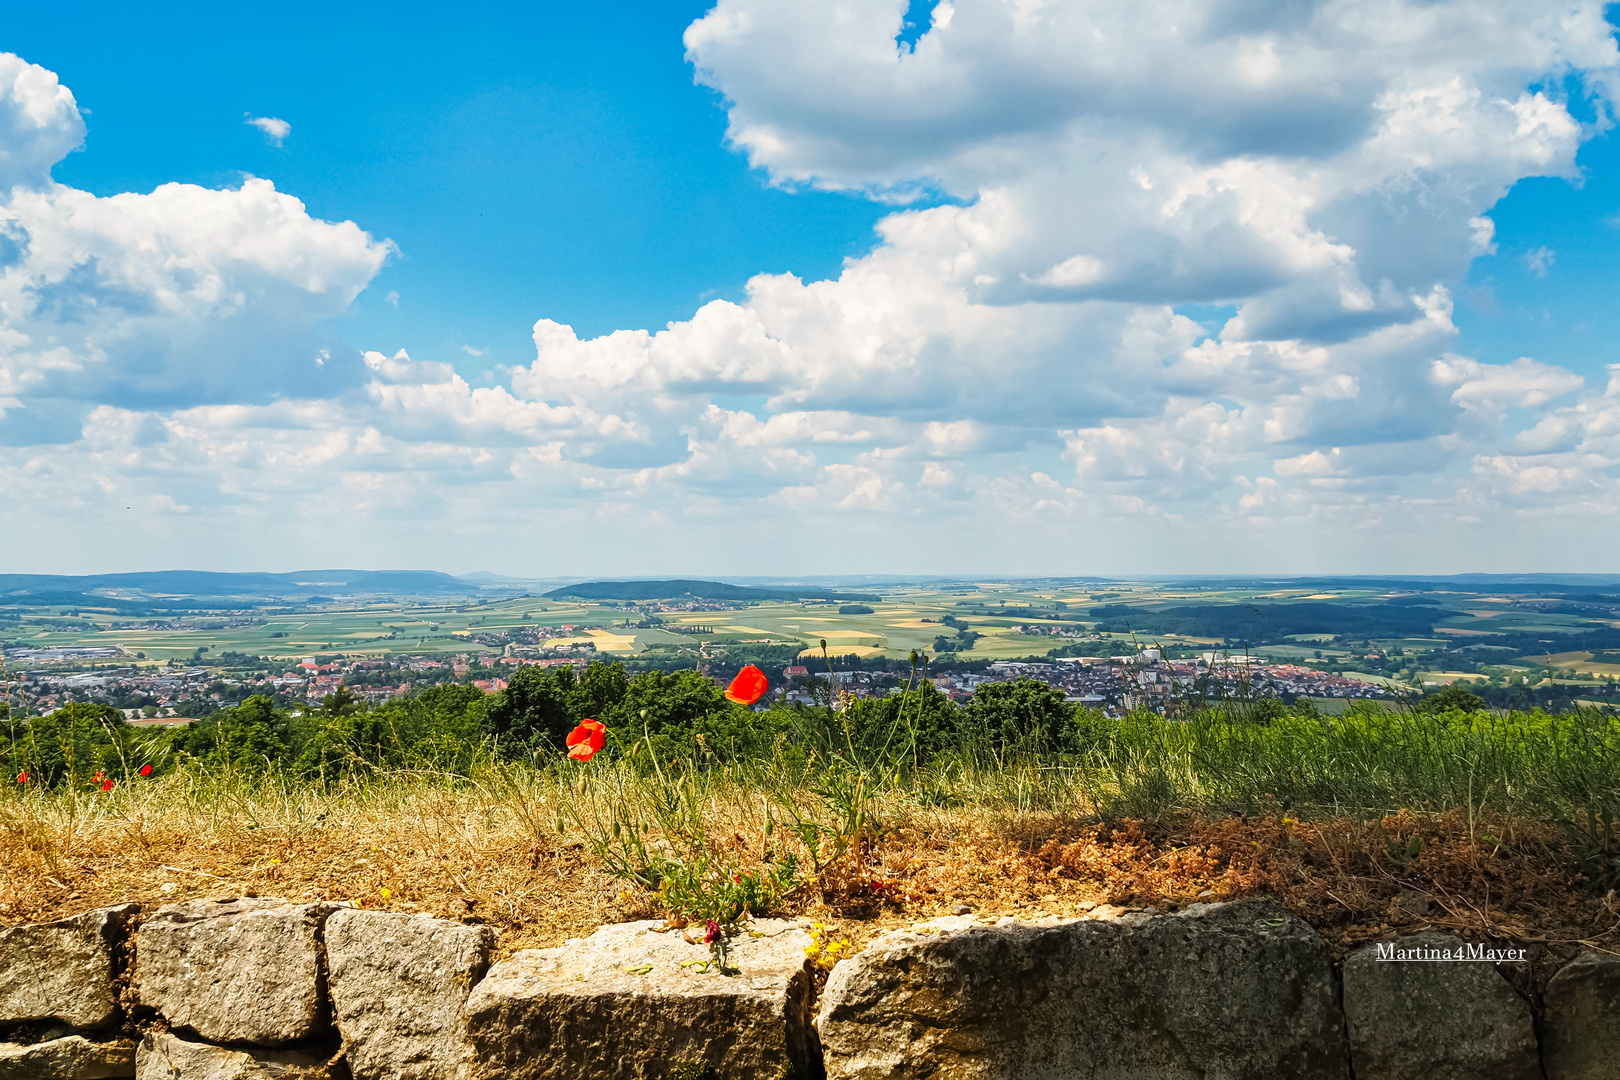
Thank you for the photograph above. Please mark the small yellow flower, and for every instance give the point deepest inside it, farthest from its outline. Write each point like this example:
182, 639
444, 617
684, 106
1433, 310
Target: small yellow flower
385, 892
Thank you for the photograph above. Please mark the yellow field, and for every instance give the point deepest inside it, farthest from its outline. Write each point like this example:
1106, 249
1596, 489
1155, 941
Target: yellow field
609, 642
1582, 662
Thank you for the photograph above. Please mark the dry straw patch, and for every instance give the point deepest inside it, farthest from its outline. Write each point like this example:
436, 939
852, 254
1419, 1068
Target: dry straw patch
462, 852
491, 850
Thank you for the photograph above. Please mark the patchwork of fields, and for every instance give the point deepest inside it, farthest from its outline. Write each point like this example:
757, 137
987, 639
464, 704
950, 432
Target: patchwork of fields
986, 620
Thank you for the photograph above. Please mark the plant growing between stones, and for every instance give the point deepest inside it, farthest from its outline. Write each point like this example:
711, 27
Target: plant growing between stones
825, 951
670, 857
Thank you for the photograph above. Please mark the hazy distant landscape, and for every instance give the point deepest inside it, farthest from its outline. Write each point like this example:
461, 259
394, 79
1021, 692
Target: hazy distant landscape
1548, 640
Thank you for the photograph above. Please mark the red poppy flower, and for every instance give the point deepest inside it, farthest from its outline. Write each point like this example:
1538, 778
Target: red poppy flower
748, 687
585, 740
99, 777
711, 930
22, 777
146, 770
106, 785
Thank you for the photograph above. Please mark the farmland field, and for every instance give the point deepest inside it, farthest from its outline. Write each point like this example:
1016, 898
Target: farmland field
1415, 634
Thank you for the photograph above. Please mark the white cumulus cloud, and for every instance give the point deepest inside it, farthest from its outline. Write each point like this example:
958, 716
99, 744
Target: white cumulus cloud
183, 294
1169, 269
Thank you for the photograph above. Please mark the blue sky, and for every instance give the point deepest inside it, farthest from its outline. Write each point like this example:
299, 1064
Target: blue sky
762, 288
550, 159
1566, 314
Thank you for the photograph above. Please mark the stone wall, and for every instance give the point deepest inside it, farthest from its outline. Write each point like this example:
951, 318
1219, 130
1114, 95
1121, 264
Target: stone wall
244, 989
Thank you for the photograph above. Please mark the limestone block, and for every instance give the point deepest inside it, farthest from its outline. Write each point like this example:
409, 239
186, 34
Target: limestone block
242, 970
398, 984
1217, 992
167, 1057
1580, 1038
63, 970
628, 1003
70, 1057
1435, 1019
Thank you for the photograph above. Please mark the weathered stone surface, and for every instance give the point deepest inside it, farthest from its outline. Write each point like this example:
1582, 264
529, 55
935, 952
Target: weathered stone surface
63, 970
1580, 1036
245, 970
595, 1008
1435, 1020
70, 1057
166, 1057
398, 984
1218, 992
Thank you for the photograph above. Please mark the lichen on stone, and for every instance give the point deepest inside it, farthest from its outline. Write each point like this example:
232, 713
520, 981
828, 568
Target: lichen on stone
692, 1070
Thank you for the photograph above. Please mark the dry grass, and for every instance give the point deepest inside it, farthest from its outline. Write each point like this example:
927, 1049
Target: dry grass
458, 852
491, 851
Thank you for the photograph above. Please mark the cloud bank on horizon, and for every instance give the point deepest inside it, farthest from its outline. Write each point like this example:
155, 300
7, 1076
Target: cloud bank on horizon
1163, 288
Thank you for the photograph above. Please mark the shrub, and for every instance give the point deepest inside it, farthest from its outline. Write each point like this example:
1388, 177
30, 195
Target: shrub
1452, 697
1025, 715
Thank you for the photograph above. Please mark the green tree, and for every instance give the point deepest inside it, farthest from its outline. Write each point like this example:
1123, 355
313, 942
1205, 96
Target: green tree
1024, 714
1449, 699
73, 743
669, 710
253, 737
534, 713
341, 702
598, 691
540, 706
914, 726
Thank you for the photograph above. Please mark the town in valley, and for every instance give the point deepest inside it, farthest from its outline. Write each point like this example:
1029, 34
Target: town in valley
166, 656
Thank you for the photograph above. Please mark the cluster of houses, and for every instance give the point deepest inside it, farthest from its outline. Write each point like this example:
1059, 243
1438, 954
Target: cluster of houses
1113, 684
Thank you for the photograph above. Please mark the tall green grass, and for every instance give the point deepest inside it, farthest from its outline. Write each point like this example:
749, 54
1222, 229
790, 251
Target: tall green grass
1023, 750
1364, 763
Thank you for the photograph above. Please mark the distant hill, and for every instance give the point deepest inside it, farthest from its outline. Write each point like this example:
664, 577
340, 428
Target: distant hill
696, 590
143, 606
209, 583
1548, 584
